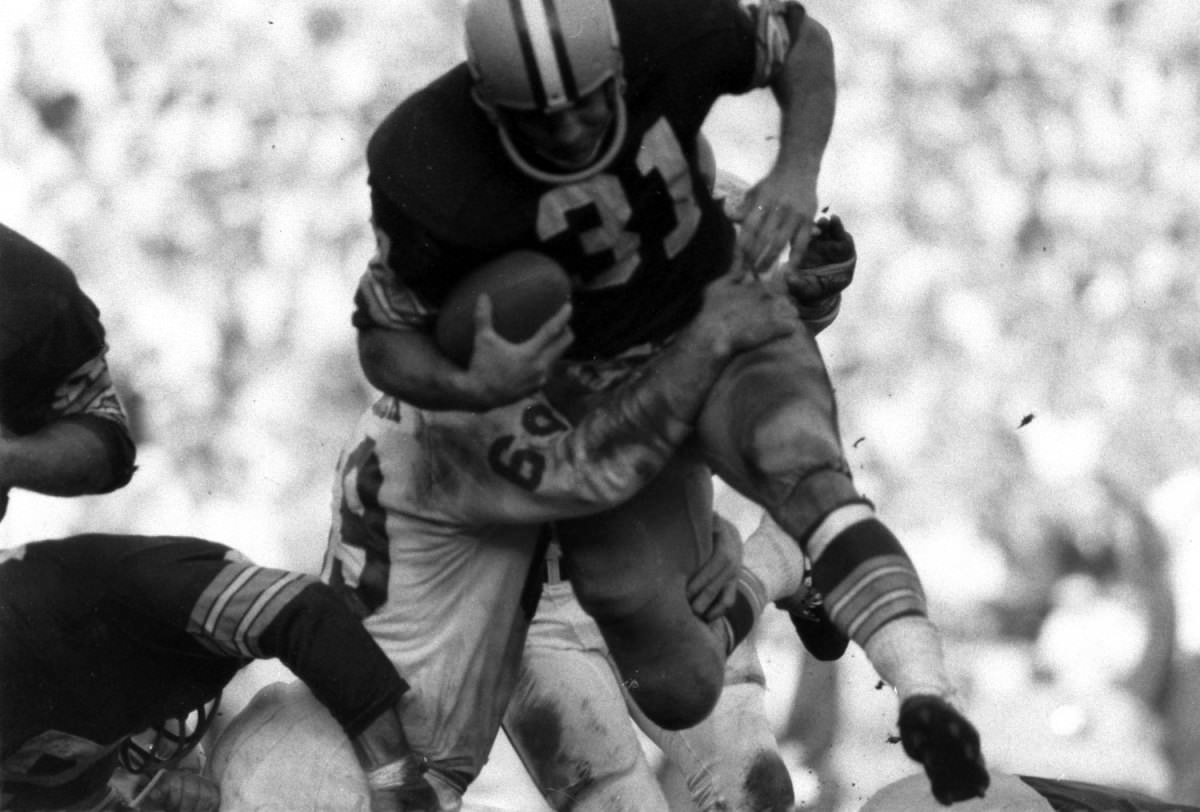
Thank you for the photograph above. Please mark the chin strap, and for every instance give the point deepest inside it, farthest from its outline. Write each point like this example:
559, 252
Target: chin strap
613, 144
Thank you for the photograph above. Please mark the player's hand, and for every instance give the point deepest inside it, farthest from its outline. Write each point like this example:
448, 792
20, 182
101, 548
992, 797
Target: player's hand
776, 213
508, 371
712, 588
182, 791
740, 313
941, 739
826, 267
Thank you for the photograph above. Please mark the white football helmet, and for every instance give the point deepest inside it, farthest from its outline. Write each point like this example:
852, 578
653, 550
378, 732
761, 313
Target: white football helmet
544, 56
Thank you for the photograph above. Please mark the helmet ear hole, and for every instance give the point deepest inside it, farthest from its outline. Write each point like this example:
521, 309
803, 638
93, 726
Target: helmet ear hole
167, 743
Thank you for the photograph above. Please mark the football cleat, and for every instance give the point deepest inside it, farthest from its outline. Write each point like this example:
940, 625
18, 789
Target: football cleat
941, 740
820, 637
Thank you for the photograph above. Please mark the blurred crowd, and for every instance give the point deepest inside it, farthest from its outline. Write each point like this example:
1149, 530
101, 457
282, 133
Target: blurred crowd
1018, 361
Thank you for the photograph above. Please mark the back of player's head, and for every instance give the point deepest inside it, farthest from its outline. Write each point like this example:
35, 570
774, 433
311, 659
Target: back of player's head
544, 56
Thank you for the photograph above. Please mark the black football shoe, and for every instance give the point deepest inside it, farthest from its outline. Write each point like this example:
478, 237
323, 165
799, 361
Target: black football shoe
941, 740
817, 632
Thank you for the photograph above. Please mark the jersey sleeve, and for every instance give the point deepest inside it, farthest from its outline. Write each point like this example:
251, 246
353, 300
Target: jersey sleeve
251, 611
88, 396
236, 610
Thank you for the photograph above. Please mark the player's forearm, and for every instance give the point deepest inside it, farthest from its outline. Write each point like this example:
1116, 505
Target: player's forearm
382, 741
327, 647
806, 90
628, 433
407, 364
69, 457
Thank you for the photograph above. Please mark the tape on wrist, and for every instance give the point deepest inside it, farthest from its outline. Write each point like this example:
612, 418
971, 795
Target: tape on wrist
399, 773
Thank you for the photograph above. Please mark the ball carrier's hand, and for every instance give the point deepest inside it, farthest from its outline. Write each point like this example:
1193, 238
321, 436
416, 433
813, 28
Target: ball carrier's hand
511, 370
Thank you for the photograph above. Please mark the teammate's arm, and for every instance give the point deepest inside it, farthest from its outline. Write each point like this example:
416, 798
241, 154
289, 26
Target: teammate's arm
317, 636
780, 209
84, 447
233, 608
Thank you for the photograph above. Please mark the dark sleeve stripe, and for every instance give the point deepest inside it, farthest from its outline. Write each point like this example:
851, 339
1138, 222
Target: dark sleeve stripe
267, 607
239, 603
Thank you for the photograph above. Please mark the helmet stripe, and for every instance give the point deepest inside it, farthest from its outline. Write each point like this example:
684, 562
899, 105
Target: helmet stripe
527, 53
538, 51
560, 50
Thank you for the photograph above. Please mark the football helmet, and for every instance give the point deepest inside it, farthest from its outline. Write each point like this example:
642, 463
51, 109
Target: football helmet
169, 742
545, 56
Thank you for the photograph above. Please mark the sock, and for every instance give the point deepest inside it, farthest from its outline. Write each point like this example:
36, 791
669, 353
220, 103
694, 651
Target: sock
907, 654
740, 618
773, 561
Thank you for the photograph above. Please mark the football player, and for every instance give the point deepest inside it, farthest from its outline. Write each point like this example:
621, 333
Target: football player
570, 130
105, 636
63, 430
440, 551
570, 716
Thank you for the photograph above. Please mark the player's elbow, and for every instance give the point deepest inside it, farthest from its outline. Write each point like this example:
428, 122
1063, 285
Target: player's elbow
373, 357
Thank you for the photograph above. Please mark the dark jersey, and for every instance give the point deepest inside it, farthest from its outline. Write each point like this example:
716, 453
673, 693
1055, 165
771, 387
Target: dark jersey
640, 240
48, 329
104, 636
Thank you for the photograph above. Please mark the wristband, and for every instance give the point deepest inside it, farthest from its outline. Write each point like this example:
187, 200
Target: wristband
400, 773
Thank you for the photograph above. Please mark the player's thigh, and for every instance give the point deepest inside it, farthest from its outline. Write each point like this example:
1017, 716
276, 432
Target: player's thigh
567, 719
621, 558
769, 429
629, 567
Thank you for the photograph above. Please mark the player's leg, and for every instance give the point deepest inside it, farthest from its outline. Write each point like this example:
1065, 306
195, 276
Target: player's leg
567, 719
629, 567
443, 597
731, 760
770, 430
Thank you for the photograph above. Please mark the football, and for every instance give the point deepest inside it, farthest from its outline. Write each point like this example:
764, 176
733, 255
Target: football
526, 289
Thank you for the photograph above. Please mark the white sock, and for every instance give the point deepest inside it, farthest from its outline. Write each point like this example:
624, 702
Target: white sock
775, 559
907, 654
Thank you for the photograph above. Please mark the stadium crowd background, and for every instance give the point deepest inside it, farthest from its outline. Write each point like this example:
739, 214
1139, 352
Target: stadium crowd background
1018, 361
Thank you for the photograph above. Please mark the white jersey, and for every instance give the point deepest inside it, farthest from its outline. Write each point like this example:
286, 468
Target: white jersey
436, 518
440, 581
